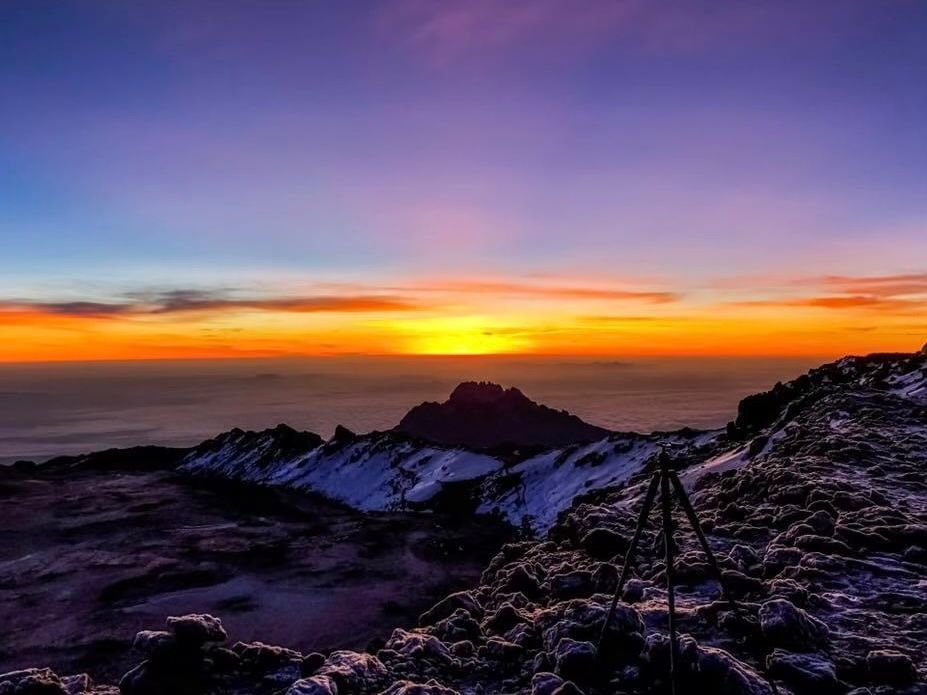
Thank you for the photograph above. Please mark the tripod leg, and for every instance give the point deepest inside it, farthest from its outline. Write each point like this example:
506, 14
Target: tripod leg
710, 556
625, 568
670, 579
697, 527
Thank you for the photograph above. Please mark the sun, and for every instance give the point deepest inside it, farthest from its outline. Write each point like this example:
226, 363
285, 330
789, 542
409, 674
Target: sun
459, 335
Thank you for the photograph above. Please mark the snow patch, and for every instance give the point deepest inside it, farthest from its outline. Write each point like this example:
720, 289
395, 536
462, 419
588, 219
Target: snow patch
370, 474
728, 461
550, 481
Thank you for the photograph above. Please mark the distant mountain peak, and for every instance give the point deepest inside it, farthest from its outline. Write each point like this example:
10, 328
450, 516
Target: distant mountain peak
482, 414
486, 393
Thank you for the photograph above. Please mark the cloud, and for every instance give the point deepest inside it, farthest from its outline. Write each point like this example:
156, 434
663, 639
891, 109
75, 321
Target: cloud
899, 294
548, 291
89, 309
880, 285
843, 302
181, 301
445, 33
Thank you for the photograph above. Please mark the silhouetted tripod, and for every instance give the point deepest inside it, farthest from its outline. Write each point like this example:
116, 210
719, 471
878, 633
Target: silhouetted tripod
666, 478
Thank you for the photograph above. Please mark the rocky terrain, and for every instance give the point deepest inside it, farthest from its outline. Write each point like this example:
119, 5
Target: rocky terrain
814, 499
88, 558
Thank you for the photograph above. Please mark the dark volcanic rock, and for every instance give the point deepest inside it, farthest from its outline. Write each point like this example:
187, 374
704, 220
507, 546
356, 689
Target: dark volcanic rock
785, 625
136, 458
484, 415
890, 667
806, 674
267, 446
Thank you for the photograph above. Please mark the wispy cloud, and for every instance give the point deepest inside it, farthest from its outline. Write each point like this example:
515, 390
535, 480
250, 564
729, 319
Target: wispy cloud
179, 301
900, 294
880, 285
547, 290
841, 302
445, 33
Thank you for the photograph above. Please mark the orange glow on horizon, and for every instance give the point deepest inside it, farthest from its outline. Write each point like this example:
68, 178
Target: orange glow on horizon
729, 331
476, 317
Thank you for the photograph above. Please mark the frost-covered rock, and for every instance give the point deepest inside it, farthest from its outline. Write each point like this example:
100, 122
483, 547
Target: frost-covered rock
448, 605
574, 660
32, 681
582, 620
196, 629
545, 683
722, 674
432, 687
416, 645
314, 685
891, 667
353, 671
262, 657
813, 674
785, 625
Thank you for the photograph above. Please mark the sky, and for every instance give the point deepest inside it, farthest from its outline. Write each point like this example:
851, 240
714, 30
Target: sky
233, 179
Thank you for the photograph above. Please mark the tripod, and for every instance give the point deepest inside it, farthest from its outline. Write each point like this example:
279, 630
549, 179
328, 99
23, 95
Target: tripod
665, 478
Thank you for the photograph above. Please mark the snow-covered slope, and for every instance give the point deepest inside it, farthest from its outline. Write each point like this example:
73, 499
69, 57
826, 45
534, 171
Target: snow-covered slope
379, 471
392, 471
388, 471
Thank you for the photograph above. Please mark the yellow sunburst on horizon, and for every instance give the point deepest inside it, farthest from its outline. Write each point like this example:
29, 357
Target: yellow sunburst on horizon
458, 335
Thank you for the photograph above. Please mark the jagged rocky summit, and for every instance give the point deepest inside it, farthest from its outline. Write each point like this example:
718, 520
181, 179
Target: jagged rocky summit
814, 499
482, 415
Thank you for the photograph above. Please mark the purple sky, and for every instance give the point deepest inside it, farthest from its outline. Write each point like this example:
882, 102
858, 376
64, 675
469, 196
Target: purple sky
695, 145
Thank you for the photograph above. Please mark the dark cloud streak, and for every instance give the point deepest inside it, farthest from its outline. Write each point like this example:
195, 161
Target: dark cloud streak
183, 301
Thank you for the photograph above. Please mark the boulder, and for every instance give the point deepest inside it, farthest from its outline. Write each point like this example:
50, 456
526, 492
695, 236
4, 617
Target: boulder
499, 650
419, 646
785, 625
568, 688
315, 685
432, 687
890, 667
582, 620
722, 674
603, 543
805, 674
352, 671
822, 523
196, 629
32, 681
260, 657
633, 590
545, 683
778, 557
458, 626
575, 584
311, 663
574, 660
605, 578
504, 619
154, 643
743, 557
448, 605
